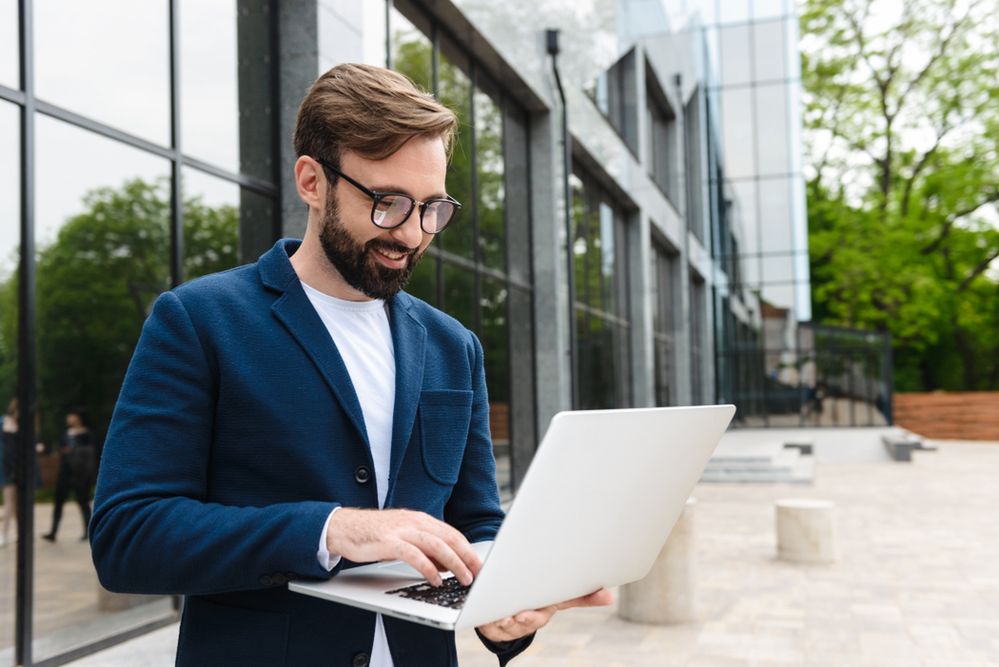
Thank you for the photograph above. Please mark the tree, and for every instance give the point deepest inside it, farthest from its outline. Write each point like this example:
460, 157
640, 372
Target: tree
902, 141
95, 285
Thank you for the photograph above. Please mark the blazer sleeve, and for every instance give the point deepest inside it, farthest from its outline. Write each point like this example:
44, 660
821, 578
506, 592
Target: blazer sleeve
153, 529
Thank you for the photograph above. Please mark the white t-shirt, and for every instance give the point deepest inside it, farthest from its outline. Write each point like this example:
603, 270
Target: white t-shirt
361, 332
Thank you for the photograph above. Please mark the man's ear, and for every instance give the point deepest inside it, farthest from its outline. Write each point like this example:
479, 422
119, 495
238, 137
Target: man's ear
310, 182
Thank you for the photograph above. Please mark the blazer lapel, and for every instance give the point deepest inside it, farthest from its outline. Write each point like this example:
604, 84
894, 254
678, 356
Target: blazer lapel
409, 338
294, 310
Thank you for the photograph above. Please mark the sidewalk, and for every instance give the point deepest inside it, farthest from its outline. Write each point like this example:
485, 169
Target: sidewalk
917, 583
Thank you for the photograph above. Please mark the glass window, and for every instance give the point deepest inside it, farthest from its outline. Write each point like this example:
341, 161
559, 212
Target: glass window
773, 157
209, 92
615, 93
459, 294
765, 9
10, 58
768, 48
663, 286
698, 344
738, 128
103, 247
80, 63
735, 60
693, 149
211, 224
490, 170
661, 141
745, 216
601, 299
10, 238
776, 233
495, 338
412, 52
455, 91
733, 11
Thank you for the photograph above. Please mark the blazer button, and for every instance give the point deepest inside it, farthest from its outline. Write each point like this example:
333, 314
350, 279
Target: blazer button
266, 580
361, 476
360, 660
279, 579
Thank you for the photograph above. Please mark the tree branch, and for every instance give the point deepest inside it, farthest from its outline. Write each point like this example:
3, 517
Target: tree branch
978, 270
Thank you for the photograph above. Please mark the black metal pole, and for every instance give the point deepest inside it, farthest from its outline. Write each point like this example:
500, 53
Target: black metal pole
551, 38
26, 350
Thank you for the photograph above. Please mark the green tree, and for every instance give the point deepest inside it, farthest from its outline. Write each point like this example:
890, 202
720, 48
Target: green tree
902, 140
95, 284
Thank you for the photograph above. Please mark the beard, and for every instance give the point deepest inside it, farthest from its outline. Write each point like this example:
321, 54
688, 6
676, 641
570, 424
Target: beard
353, 260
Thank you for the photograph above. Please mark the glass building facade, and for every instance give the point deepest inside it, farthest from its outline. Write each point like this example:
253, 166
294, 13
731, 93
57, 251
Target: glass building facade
650, 253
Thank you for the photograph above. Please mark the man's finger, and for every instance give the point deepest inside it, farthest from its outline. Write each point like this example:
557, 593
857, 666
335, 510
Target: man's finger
458, 543
440, 551
414, 557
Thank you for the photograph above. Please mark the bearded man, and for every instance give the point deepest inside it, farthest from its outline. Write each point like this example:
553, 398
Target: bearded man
299, 415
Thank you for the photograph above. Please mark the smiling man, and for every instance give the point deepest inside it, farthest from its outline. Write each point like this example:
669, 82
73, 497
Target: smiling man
294, 416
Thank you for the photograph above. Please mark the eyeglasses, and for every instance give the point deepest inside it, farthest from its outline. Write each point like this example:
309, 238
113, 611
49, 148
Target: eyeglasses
391, 209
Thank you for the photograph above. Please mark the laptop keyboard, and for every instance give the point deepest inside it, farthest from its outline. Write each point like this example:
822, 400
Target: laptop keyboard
450, 594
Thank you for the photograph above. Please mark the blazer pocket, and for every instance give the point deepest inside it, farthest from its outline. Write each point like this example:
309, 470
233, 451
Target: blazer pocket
444, 418
217, 634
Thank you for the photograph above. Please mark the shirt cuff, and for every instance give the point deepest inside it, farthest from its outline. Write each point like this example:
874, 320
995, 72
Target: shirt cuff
327, 560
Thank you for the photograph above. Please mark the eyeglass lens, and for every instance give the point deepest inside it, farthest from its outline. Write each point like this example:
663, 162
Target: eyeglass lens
391, 211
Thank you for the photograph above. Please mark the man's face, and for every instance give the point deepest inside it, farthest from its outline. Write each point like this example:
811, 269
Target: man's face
374, 261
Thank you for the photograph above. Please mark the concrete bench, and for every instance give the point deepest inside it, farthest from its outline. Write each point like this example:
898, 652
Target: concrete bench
806, 530
901, 445
666, 594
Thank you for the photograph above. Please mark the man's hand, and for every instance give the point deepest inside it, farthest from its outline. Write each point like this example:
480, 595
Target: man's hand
526, 622
425, 543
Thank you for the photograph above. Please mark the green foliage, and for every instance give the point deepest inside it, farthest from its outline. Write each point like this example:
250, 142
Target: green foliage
95, 285
902, 134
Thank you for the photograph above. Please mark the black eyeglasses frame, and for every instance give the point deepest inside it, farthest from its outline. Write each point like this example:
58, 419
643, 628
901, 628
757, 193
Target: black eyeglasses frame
377, 197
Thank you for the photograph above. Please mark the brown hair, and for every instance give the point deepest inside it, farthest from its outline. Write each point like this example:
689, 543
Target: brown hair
369, 110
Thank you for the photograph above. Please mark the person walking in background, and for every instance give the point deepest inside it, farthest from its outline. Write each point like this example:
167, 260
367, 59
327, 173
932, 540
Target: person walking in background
8, 473
76, 470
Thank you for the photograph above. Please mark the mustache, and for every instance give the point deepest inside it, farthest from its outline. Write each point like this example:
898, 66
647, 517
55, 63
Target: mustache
391, 247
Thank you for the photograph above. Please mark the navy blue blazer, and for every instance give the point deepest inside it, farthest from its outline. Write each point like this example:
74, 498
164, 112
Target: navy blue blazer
238, 430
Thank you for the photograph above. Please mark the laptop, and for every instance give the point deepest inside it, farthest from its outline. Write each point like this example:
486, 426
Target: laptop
593, 511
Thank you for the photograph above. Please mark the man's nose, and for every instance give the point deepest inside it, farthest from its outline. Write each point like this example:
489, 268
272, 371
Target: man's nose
410, 233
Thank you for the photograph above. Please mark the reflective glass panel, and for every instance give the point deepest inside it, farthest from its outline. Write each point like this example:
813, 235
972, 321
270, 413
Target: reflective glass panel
738, 129
491, 187
495, 337
108, 60
209, 76
733, 11
211, 224
735, 61
776, 233
773, 154
459, 294
412, 52
10, 58
10, 238
455, 91
769, 48
103, 251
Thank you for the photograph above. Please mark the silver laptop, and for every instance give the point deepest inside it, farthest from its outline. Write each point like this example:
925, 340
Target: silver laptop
594, 510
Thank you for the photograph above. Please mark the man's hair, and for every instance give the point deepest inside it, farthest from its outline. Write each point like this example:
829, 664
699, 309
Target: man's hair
369, 110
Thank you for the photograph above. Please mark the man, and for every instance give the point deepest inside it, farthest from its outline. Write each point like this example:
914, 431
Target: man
276, 418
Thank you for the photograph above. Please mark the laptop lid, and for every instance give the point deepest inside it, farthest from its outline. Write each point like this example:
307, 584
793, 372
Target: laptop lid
596, 505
